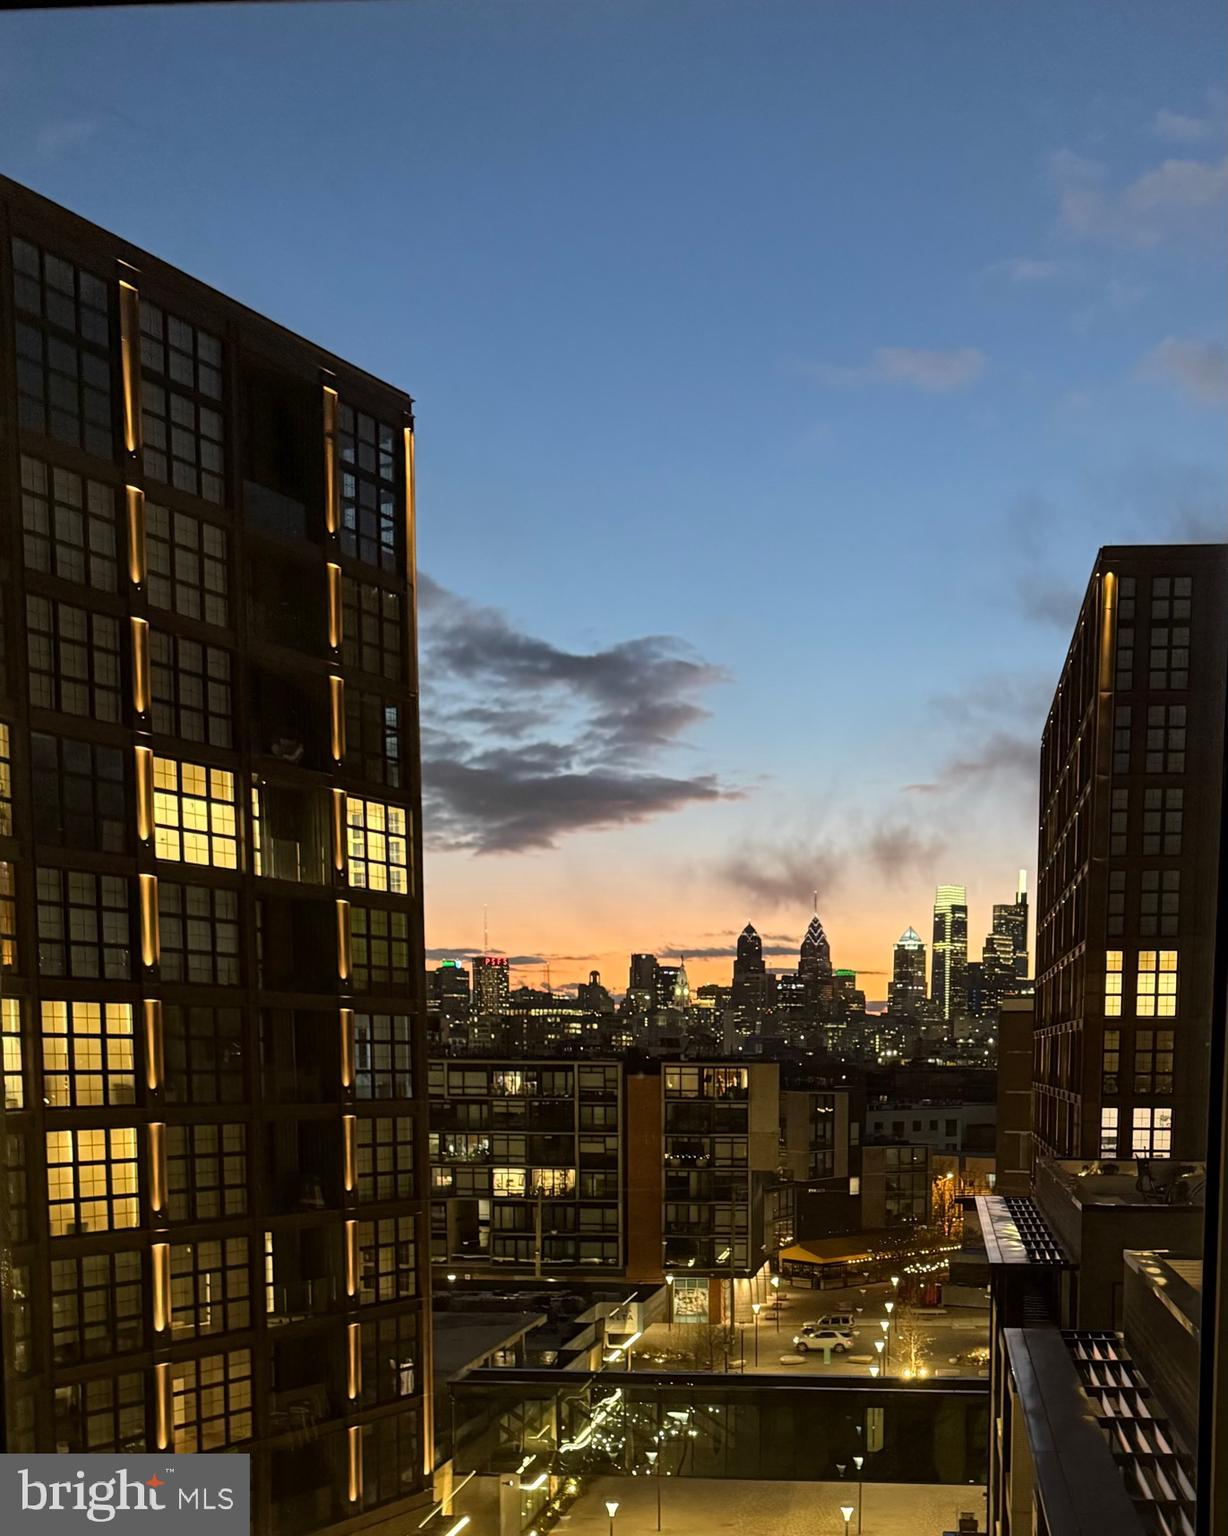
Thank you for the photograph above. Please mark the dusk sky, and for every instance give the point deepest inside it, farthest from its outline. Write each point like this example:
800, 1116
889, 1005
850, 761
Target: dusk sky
780, 368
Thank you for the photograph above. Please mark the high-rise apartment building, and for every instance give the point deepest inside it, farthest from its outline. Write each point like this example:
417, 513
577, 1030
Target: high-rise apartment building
949, 952
1010, 919
1131, 764
491, 987
906, 990
213, 1223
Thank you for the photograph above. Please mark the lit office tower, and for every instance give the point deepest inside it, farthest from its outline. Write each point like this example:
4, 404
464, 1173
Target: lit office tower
814, 959
1011, 920
209, 835
949, 953
906, 990
1129, 819
749, 994
491, 988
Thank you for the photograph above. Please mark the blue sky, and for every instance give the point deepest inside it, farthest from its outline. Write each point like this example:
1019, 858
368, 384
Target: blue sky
830, 340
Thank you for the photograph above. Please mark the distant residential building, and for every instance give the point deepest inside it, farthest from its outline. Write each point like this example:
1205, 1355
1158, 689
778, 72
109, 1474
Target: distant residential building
906, 990
949, 952
942, 1127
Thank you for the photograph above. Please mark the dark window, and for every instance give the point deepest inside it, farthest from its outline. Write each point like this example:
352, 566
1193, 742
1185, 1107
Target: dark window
68, 525
84, 924
190, 689
199, 930
180, 377
78, 794
373, 743
204, 1054
74, 659
370, 526
371, 629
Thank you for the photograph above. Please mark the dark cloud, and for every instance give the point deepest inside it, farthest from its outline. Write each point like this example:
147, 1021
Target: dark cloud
785, 875
576, 751
1001, 753
726, 951
467, 951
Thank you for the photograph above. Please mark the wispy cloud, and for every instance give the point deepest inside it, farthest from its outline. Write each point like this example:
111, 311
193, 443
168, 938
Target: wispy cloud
1192, 128
931, 370
784, 873
1175, 198
1029, 269
579, 749
54, 139
1003, 753
1198, 368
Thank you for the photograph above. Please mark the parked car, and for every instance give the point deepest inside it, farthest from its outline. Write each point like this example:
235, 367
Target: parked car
814, 1337
842, 1322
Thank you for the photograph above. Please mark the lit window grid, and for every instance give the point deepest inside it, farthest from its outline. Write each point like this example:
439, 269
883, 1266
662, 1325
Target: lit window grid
104, 1414
386, 1260
8, 917
68, 525
194, 814
385, 1158
210, 1287
182, 442
84, 924
1112, 984
187, 565
378, 846
212, 1401
1157, 984
93, 1181
11, 1053
206, 1169
1151, 1131
89, 1054
6, 782
74, 659
199, 932
190, 693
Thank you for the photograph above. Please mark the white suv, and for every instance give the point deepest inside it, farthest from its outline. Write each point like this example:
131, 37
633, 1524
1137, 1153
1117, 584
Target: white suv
813, 1336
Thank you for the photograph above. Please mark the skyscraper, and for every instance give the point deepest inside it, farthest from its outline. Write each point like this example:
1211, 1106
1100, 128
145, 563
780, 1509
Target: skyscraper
210, 829
949, 954
491, 987
1011, 919
906, 990
1131, 764
750, 982
814, 962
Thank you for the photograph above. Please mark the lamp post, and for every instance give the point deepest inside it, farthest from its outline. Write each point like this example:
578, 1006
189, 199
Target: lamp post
889, 1308
884, 1324
669, 1285
611, 1509
859, 1462
755, 1308
776, 1299
847, 1511
653, 1462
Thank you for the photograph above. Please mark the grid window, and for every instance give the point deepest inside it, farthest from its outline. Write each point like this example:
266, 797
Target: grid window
386, 1158
1169, 659
63, 370
389, 1358
206, 1171
369, 523
182, 353
92, 1181
1159, 902
74, 659
68, 525
8, 917
1170, 597
89, 1054
84, 924
190, 689
97, 1306
199, 928
1125, 598
182, 429
386, 1259
379, 942
204, 1054
373, 737
212, 1397
383, 1055
1108, 1131
1166, 738
210, 1287
1152, 1131
1116, 915
6, 782
1124, 678
1112, 984
11, 1053
187, 565
105, 1414
1163, 816
1153, 1061
378, 845
1121, 738
1157, 984
78, 794
194, 814
372, 636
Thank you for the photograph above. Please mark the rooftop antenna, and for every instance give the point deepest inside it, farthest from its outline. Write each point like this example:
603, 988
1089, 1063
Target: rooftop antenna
816, 903
485, 931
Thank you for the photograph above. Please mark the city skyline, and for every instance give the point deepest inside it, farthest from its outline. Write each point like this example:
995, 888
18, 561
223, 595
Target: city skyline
629, 458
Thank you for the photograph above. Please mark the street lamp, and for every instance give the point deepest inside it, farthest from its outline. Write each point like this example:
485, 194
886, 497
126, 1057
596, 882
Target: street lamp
859, 1462
776, 1299
847, 1511
874, 1371
653, 1463
755, 1308
611, 1509
885, 1323
895, 1283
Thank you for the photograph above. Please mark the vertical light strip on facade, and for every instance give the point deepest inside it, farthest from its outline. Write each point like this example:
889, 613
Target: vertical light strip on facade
349, 1155
336, 706
347, 1047
135, 499
154, 1058
151, 936
332, 576
162, 1404
160, 1263
157, 1168
344, 956
354, 1439
144, 793
331, 520
140, 666
353, 1372
1108, 625
339, 830
130, 363
351, 1258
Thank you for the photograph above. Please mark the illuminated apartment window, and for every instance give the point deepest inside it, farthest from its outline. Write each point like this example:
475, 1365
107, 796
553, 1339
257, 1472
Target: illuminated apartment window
210, 1287
1157, 984
63, 366
206, 1171
378, 845
372, 634
180, 379
199, 930
370, 525
385, 1158
89, 1054
508, 1181
386, 1259
373, 742
389, 1356
92, 1181
553, 1182
1153, 1061
6, 783
1163, 815
1152, 1132
11, 1053
97, 1306
212, 1398
1112, 984
79, 798
1165, 738
84, 924
194, 814
187, 565
383, 1056
1110, 1061
73, 659
380, 947
106, 1413
8, 917
68, 525
1159, 902
204, 1053
190, 689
